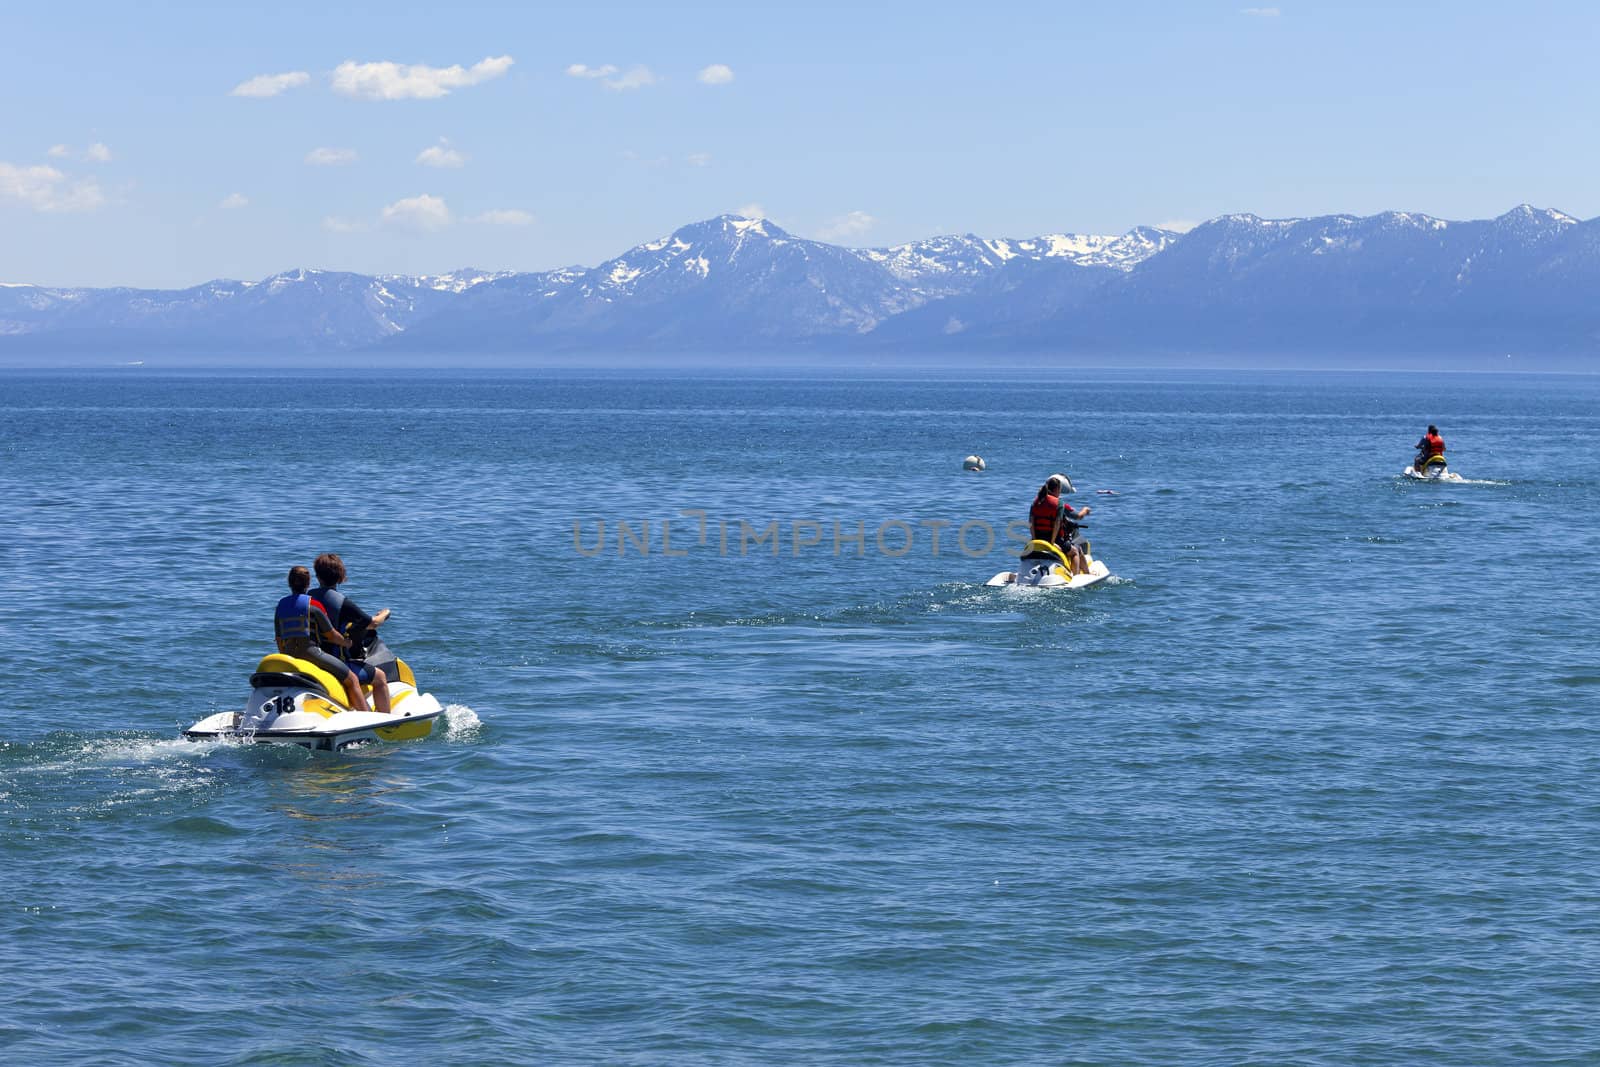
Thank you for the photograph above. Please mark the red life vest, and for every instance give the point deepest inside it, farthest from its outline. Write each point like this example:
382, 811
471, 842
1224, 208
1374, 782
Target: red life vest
1043, 517
1435, 444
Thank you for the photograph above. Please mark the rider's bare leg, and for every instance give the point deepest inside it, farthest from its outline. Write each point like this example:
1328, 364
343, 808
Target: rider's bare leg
380, 690
352, 689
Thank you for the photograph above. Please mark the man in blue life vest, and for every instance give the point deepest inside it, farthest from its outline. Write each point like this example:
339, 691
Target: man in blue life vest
1431, 445
1053, 519
297, 623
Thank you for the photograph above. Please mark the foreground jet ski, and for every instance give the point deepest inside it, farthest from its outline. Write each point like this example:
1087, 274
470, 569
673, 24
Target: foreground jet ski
293, 701
1435, 469
1044, 566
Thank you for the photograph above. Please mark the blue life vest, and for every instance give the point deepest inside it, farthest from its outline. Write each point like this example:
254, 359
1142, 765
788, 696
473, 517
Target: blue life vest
292, 619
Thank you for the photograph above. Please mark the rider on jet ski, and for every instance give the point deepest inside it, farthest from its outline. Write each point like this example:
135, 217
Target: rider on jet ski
1053, 519
351, 622
1431, 445
298, 623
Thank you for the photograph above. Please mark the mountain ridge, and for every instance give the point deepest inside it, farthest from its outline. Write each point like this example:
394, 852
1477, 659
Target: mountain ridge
732, 283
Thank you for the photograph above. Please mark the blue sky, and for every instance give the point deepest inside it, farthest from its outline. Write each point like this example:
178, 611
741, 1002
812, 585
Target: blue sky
131, 155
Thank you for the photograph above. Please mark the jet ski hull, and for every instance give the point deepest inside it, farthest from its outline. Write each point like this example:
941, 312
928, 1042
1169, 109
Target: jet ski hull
293, 702
1043, 566
1436, 472
328, 736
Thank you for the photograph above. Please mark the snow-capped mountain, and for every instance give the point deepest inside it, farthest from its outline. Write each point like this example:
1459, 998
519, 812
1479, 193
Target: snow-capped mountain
1342, 281
722, 283
304, 310
458, 281
1387, 282
1122, 252
945, 266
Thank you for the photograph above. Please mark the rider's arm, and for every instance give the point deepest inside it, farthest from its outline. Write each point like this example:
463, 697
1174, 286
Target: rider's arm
353, 617
325, 628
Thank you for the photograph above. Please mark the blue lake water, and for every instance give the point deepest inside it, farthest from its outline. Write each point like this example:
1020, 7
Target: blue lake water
1314, 781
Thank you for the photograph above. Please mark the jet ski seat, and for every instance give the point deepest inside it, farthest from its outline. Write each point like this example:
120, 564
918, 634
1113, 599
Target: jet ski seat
1037, 549
280, 670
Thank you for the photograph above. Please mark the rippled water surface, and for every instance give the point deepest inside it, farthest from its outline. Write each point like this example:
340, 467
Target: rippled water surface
1313, 781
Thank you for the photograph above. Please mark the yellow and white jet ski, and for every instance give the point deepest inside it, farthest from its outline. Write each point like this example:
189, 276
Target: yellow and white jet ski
1044, 566
1434, 469
294, 701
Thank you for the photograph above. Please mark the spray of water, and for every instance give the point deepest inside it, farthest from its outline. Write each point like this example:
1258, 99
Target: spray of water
461, 723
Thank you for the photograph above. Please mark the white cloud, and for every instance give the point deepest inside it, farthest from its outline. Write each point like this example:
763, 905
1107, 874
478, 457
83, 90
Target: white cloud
698, 159
657, 162
1261, 12
265, 85
234, 200
441, 155
334, 224
44, 188
400, 81
632, 78
751, 211
845, 227
330, 157
1177, 225
504, 217
716, 74
95, 153
418, 213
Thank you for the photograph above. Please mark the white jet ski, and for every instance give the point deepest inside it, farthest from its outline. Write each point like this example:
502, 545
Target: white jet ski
1435, 469
1044, 566
294, 701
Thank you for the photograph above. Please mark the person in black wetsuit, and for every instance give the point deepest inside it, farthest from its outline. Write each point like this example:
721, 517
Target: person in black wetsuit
351, 623
300, 625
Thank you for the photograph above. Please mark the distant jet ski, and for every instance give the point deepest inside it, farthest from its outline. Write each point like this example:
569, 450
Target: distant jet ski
1044, 566
1434, 469
294, 701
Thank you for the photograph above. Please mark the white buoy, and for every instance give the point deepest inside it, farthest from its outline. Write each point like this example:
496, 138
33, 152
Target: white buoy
973, 463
